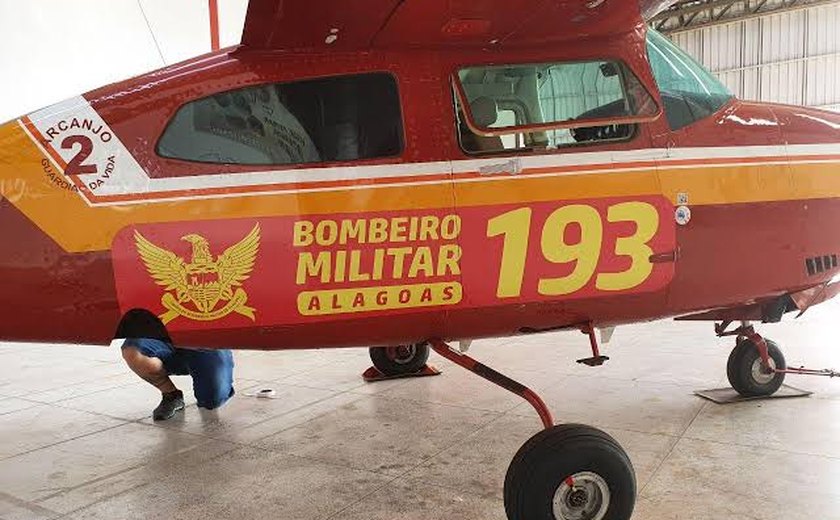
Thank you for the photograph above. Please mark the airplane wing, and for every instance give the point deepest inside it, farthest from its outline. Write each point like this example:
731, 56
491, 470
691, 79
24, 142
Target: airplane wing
338, 24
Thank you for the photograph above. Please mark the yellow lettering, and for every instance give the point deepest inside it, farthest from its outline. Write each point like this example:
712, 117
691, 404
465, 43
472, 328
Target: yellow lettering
314, 304
359, 300
448, 260
326, 233
303, 233
412, 228
355, 267
340, 266
366, 299
352, 229
515, 226
450, 227
378, 264
426, 296
647, 223
310, 266
428, 228
398, 229
585, 253
378, 231
421, 261
399, 254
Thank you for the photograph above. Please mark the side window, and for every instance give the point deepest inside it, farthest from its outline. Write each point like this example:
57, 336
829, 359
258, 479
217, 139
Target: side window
689, 92
507, 117
343, 118
547, 106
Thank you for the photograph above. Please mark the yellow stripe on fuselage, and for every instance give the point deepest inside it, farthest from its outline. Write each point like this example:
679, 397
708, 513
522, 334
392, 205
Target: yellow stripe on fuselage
77, 226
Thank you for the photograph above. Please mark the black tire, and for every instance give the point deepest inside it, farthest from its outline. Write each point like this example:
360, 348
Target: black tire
540, 471
742, 362
401, 360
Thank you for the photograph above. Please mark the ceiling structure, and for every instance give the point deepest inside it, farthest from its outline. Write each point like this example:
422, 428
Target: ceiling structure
691, 14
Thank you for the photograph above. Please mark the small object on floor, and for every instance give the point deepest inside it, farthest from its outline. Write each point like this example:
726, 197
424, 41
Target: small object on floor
170, 404
594, 361
729, 395
263, 393
373, 374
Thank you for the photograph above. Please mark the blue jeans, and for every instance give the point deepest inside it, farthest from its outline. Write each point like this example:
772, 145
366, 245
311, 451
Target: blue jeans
211, 370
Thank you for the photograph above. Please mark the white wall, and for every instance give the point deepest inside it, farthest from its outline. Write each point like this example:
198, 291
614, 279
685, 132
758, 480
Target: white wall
55, 49
791, 57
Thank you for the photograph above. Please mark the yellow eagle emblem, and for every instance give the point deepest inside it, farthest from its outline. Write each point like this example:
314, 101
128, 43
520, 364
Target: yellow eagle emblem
204, 289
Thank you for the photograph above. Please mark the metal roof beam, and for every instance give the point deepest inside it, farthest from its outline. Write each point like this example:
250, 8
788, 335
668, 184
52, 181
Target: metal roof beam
691, 7
693, 14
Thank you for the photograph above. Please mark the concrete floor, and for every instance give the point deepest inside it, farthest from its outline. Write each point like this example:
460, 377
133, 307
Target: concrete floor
76, 440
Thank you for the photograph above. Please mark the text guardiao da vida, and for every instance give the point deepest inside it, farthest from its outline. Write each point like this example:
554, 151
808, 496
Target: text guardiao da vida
378, 263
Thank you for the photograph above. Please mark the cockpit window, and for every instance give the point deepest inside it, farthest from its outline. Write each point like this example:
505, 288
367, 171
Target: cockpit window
539, 96
689, 92
342, 118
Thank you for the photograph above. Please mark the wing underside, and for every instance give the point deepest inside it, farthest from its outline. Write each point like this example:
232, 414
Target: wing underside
338, 24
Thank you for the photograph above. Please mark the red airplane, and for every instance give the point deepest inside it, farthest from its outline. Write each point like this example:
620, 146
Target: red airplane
417, 172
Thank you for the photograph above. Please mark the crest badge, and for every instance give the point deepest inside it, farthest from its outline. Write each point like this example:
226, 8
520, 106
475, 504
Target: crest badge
202, 288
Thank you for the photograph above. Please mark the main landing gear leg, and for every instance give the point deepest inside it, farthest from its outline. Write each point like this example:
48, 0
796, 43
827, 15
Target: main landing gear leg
565, 472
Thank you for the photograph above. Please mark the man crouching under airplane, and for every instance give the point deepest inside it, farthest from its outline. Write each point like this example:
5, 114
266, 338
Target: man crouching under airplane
154, 360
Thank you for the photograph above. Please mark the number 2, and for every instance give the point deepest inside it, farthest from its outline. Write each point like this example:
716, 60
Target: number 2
75, 166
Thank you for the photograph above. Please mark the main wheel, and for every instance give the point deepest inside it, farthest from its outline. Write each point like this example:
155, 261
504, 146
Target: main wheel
400, 360
570, 472
745, 373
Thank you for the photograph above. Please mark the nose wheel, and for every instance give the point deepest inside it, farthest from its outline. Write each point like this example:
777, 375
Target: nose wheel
756, 366
748, 374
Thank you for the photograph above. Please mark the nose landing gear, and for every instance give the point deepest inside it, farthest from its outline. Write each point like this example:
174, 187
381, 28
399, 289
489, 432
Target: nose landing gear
756, 366
748, 372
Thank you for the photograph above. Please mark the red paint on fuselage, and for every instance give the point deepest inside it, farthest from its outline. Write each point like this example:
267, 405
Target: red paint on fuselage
730, 254
51, 295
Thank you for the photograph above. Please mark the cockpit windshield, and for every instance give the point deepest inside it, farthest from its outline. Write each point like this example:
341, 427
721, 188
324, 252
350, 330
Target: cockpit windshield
689, 92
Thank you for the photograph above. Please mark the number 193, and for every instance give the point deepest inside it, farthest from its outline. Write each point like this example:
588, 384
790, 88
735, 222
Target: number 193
515, 227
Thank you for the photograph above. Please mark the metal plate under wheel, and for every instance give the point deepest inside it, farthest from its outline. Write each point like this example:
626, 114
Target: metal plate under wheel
372, 374
729, 395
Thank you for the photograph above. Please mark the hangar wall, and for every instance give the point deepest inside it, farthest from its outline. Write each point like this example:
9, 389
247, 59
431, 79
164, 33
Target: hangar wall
790, 57
56, 49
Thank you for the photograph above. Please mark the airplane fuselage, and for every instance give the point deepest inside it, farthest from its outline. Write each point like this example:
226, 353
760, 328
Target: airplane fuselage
736, 208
